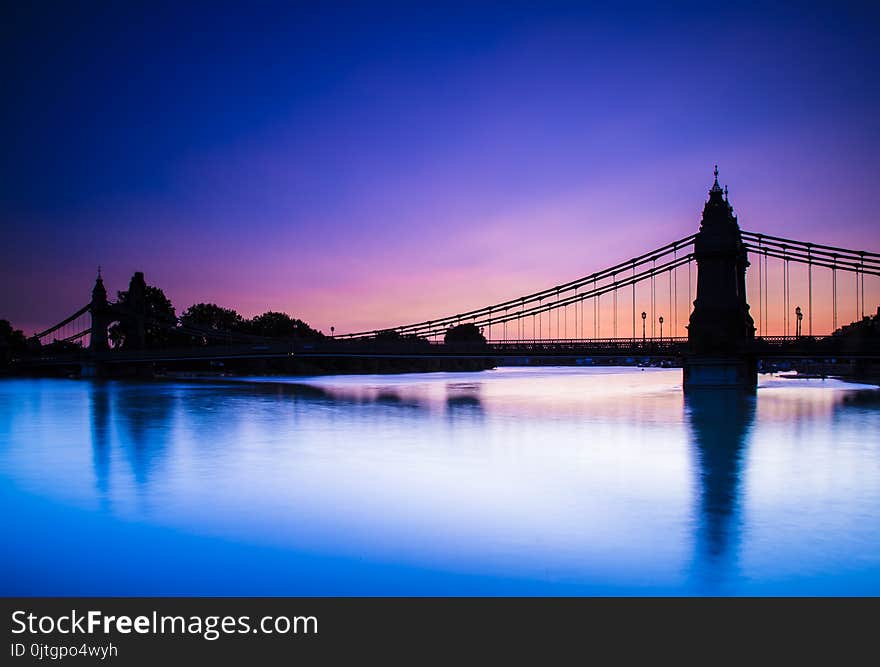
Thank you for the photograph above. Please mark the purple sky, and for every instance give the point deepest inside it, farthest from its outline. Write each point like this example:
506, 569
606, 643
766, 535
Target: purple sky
367, 166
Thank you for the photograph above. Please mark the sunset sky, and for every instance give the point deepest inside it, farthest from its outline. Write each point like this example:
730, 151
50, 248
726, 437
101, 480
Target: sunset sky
364, 165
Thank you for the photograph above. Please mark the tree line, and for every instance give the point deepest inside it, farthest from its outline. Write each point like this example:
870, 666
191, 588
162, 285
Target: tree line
163, 328
196, 324
203, 324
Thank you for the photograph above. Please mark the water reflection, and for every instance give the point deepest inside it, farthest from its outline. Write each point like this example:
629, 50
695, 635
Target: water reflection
389, 397
720, 423
865, 398
361, 394
144, 417
463, 401
99, 404
516, 481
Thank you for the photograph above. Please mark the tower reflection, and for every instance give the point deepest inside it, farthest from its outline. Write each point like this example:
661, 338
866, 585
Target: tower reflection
99, 403
143, 413
720, 423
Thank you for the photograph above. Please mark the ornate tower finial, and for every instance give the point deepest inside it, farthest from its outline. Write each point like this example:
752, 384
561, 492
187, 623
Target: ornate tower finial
715, 186
99, 293
725, 192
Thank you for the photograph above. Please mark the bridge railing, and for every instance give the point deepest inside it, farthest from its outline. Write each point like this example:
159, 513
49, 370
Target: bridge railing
792, 339
629, 340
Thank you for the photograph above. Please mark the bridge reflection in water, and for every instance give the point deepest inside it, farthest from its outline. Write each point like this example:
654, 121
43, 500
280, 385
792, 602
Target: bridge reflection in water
516, 481
720, 423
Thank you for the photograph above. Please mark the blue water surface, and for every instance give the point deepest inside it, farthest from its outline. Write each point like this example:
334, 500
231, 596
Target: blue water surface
516, 481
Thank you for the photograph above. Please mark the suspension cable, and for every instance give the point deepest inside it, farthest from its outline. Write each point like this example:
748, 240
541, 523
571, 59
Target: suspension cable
818, 248
760, 295
675, 290
810, 289
784, 293
614, 306
490, 312
857, 297
64, 322
634, 301
691, 297
653, 295
766, 292
834, 298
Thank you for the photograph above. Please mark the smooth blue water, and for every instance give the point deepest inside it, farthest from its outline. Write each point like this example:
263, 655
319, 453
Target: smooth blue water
514, 481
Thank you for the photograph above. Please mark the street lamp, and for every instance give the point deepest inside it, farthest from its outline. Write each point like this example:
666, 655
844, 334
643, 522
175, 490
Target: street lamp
332, 329
660, 319
800, 316
644, 317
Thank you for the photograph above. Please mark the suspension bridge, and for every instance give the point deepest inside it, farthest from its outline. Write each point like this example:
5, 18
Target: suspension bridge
685, 302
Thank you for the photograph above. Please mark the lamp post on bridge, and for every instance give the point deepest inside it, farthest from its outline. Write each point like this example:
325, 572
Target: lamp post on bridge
644, 317
799, 315
660, 319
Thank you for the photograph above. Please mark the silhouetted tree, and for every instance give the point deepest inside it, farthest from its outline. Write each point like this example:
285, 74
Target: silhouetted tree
388, 336
159, 322
213, 316
14, 339
464, 333
392, 336
12, 342
861, 336
280, 325
868, 327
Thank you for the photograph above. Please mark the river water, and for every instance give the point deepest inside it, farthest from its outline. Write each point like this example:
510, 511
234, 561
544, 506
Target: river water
516, 481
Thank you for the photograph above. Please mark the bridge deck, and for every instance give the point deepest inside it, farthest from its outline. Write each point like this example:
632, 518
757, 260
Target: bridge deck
778, 347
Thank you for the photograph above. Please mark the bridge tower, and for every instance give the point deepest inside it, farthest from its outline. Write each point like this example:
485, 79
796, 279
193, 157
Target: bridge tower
721, 330
132, 312
136, 306
100, 314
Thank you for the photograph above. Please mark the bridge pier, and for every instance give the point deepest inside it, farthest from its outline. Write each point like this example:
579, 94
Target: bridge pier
719, 372
721, 332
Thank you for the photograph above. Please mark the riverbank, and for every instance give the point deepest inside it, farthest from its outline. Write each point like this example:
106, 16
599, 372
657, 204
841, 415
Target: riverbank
259, 367
861, 371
